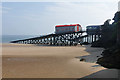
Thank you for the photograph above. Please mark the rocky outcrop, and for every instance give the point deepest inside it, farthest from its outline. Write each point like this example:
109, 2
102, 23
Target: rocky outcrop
111, 54
111, 58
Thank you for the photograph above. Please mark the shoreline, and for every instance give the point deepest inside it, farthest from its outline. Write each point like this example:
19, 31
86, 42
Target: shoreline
30, 61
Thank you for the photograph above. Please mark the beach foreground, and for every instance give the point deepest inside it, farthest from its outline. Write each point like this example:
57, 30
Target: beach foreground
32, 61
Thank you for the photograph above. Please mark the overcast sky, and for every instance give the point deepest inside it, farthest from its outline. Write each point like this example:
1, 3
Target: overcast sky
40, 18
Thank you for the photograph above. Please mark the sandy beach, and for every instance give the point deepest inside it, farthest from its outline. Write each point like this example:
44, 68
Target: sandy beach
32, 61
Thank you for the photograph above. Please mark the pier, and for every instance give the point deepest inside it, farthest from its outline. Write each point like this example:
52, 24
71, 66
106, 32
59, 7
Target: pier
65, 39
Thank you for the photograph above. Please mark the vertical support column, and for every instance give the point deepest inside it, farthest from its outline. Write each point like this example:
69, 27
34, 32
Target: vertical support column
56, 40
92, 38
43, 40
36, 41
30, 41
88, 39
70, 40
23, 42
95, 37
79, 38
65, 40
66, 36
47, 42
85, 39
98, 36
60, 40
39, 41
53, 40
50, 40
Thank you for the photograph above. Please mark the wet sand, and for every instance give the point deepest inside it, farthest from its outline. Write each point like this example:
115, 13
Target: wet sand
31, 61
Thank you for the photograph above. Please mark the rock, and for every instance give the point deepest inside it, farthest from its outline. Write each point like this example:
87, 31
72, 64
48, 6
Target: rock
111, 60
97, 44
82, 59
97, 56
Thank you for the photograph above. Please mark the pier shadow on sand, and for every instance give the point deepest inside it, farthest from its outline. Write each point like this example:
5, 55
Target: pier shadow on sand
94, 54
49, 45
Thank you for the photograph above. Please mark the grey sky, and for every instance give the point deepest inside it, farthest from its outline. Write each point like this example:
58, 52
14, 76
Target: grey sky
40, 18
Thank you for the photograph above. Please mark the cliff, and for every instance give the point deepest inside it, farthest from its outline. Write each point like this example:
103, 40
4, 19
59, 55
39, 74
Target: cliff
111, 42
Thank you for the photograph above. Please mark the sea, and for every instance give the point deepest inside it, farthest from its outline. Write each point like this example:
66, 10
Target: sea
9, 38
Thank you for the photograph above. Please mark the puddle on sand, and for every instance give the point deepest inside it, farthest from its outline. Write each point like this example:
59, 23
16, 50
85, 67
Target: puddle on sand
96, 66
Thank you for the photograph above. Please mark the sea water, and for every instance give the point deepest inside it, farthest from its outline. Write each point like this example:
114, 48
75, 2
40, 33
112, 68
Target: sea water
8, 38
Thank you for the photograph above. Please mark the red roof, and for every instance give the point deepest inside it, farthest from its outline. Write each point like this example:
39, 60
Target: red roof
67, 25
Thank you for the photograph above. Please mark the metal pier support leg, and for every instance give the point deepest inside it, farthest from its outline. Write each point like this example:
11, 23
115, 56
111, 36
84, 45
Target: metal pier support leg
53, 40
92, 38
95, 38
87, 39
47, 41
44, 41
